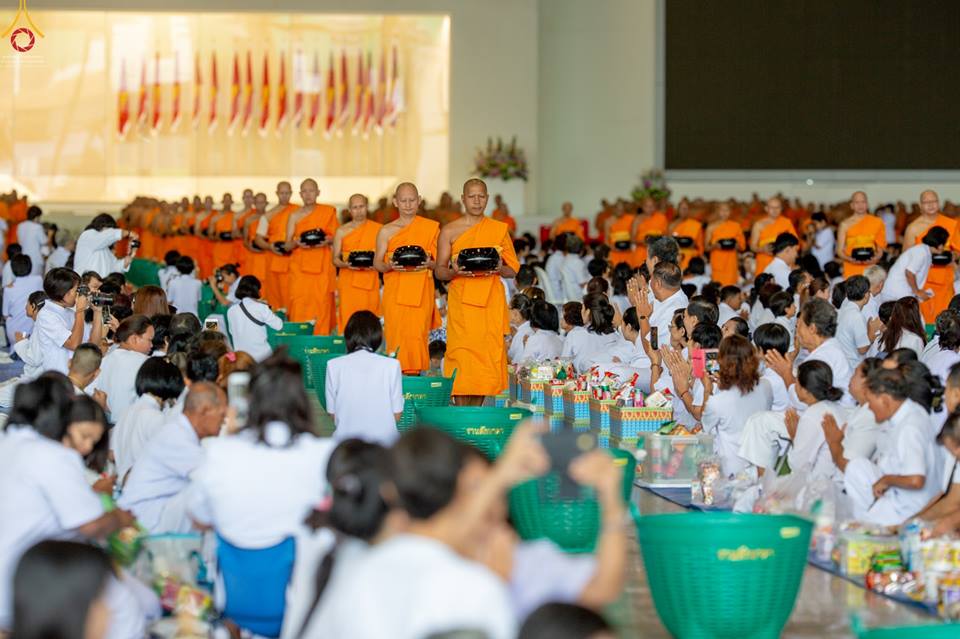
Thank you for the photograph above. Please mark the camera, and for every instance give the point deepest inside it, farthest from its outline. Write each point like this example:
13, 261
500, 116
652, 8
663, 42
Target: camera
96, 299
219, 275
134, 244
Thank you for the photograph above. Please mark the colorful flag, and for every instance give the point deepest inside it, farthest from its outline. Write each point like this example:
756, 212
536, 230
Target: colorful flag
175, 109
234, 95
381, 98
248, 95
123, 102
298, 80
155, 122
395, 96
331, 99
265, 95
142, 95
212, 122
315, 88
343, 108
197, 90
369, 106
359, 94
282, 95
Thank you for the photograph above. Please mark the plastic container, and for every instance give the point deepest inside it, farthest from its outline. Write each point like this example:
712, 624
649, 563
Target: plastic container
300, 346
672, 459
486, 428
576, 405
627, 422
854, 550
626, 460
539, 512
315, 374
722, 575
422, 392
928, 631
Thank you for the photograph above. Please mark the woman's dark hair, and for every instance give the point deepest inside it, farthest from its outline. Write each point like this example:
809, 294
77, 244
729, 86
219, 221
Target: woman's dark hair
185, 265
160, 378
277, 395
526, 276
936, 237
795, 279
521, 303
948, 328
597, 267
696, 266
248, 286
54, 587
21, 265
37, 299
598, 285
839, 294
677, 322
817, 378
923, 387
202, 367
631, 319
230, 269
170, 258
902, 356
601, 313
573, 313
818, 285
821, 316
58, 283
758, 283
772, 337
185, 323
116, 279
563, 621
951, 428
704, 311
621, 275
767, 291
707, 335
161, 329
885, 310
857, 287
739, 365
543, 316
84, 409
101, 222
43, 404
905, 317
363, 332
740, 327
780, 302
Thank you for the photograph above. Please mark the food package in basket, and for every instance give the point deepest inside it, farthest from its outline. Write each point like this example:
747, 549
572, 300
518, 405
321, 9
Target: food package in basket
673, 459
858, 543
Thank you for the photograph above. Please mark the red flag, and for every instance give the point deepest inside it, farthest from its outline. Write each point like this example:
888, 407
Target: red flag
123, 102
155, 123
343, 93
381, 98
315, 87
197, 90
331, 99
265, 95
282, 95
212, 122
395, 96
297, 89
359, 94
248, 95
234, 95
142, 95
175, 109
369, 108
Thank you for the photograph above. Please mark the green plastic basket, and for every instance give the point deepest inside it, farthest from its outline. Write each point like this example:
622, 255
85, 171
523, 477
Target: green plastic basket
423, 392
927, 631
315, 374
724, 575
299, 347
293, 328
538, 512
143, 272
486, 428
628, 462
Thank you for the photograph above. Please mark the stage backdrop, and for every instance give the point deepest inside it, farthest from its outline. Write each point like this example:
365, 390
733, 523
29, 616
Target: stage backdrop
110, 104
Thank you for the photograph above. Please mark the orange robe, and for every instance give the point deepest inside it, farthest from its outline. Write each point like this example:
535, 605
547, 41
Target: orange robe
723, 262
656, 224
240, 252
619, 232
869, 232
148, 240
507, 219
940, 278
313, 277
570, 225
18, 213
188, 243
358, 290
222, 251
409, 308
693, 229
478, 318
278, 283
257, 263
204, 256
768, 235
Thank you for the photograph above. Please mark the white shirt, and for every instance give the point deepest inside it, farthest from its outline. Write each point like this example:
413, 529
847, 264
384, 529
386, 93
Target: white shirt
833, 356
726, 314
810, 453
575, 273
861, 434
311, 548
598, 348
33, 239
724, 416
8, 275
232, 292
165, 275
93, 252
516, 344
890, 224
852, 332
246, 335
53, 327
15, 305
575, 342
662, 315
43, 495
257, 494
118, 379
541, 346
778, 390
364, 392
908, 339
940, 363
788, 323
554, 270
824, 245
143, 420
871, 309
680, 413
916, 259
543, 573
780, 271
183, 291
57, 259
417, 587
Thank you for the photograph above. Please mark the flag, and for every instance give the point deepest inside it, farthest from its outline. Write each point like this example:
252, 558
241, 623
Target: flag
142, 95
234, 95
212, 122
265, 95
315, 87
331, 99
197, 90
395, 95
381, 97
123, 102
155, 122
298, 81
282, 95
343, 95
369, 107
248, 95
359, 94
175, 109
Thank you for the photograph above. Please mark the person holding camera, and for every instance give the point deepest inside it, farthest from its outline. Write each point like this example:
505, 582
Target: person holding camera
94, 250
226, 277
59, 326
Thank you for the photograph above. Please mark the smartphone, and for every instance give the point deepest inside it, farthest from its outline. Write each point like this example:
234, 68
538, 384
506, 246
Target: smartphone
654, 338
712, 363
563, 447
698, 363
238, 396
211, 325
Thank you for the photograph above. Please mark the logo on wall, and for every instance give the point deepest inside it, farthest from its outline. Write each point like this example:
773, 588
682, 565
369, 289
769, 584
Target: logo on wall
22, 39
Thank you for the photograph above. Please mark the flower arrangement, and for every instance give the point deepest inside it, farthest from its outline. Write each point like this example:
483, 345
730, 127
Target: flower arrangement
652, 184
506, 162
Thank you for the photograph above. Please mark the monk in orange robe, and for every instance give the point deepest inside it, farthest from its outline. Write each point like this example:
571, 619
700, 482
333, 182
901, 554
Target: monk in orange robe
618, 236
477, 316
566, 223
358, 289
724, 261
312, 277
148, 238
257, 259
766, 230
940, 277
18, 213
409, 308
600, 220
860, 230
272, 236
221, 234
239, 224
204, 250
502, 214
688, 231
649, 223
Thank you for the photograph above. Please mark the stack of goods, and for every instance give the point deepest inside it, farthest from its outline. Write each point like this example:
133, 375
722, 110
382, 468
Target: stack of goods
936, 564
673, 455
856, 545
173, 565
513, 384
889, 576
634, 414
534, 378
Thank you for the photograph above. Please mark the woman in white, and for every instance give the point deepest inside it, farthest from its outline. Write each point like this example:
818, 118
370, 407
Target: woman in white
229, 279
946, 355
184, 289
767, 338
94, 247
808, 452
678, 375
249, 318
520, 325
598, 315
575, 335
904, 329
545, 343
364, 390
59, 327
158, 385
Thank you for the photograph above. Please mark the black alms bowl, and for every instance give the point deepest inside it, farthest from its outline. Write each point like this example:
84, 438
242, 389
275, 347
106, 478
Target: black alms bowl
360, 259
410, 256
622, 245
478, 259
683, 241
226, 235
942, 259
863, 254
313, 237
728, 244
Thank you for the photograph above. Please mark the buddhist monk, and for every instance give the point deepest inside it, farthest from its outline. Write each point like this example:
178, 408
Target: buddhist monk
358, 288
204, 256
688, 231
220, 232
409, 308
257, 259
600, 220
765, 232
860, 231
313, 279
477, 316
271, 236
648, 224
940, 278
566, 223
724, 260
17, 208
618, 236
239, 224
502, 214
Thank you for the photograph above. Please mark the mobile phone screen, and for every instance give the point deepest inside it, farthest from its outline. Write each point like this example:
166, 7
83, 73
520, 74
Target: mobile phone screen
562, 448
654, 338
698, 363
238, 396
712, 363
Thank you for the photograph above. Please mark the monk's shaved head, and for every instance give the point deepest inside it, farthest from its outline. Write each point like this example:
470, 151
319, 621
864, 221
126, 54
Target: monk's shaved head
406, 186
930, 202
474, 182
309, 182
281, 185
360, 197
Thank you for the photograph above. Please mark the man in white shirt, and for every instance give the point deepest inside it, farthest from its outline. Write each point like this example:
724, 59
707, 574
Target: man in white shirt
731, 299
877, 276
855, 333
668, 297
184, 289
824, 240
15, 298
155, 490
554, 265
785, 250
118, 372
32, 237
93, 249
909, 273
573, 270
61, 255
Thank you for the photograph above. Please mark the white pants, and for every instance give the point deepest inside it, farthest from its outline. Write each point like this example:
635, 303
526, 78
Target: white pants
764, 439
132, 605
858, 480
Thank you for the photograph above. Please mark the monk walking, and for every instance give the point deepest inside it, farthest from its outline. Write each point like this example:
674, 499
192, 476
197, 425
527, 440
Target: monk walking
618, 236
648, 223
204, 257
725, 240
687, 230
272, 237
940, 276
409, 309
566, 223
257, 259
860, 231
765, 232
239, 224
358, 288
221, 234
477, 316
